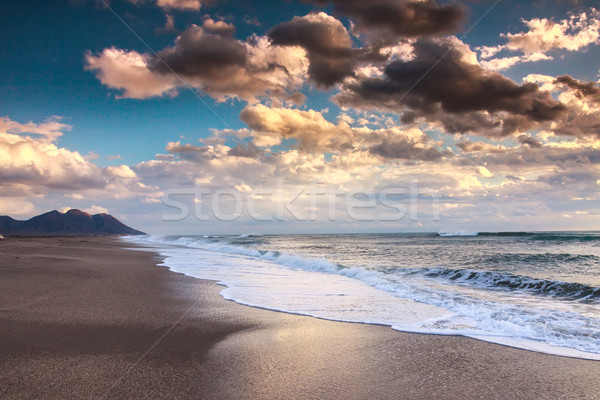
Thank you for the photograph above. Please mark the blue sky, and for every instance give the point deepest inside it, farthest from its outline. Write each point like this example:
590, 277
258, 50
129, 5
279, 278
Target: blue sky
75, 67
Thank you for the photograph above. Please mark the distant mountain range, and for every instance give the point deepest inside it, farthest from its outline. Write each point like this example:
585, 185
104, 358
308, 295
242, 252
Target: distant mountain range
72, 223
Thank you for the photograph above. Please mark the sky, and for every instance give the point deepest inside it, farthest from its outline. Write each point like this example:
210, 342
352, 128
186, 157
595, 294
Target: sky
299, 116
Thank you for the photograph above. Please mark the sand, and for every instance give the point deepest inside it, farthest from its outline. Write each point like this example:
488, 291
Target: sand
89, 318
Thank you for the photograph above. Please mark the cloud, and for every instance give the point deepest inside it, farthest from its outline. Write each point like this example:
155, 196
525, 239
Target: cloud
200, 53
529, 141
91, 156
121, 171
94, 209
313, 133
40, 164
326, 41
405, 150
469, 147
16, 207
168, 27
128, 71
252, 20
393, 19
182, 5
197, 154
543, 35
49, 130
530, 173
483, 171
588, 90
499, 64
457, 93
216, 63
218, 27
35, 168
582, 103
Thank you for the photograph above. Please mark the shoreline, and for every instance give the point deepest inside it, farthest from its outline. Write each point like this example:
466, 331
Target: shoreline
82, 315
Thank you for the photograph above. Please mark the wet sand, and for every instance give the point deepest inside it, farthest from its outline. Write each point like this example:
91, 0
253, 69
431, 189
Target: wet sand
88, 318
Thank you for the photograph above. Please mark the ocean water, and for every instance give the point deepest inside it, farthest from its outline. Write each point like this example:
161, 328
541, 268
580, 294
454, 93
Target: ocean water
536, 291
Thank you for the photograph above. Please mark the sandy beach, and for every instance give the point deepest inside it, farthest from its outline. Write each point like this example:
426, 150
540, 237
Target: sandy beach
88, 318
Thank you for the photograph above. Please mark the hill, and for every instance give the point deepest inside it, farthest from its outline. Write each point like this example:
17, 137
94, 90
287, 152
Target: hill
72, 223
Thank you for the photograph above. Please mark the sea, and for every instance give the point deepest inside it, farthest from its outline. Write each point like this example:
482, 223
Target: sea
537, 291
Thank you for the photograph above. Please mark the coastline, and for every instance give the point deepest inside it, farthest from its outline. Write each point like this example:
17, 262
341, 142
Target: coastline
81, 317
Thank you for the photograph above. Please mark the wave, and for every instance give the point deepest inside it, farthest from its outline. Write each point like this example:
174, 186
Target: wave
459, 233
545, 236
508, 234
576, 237
512, 282
536, 259
560, 236
238, 248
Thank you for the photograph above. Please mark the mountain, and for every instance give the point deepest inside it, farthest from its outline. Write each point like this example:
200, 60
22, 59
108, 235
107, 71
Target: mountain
72, 223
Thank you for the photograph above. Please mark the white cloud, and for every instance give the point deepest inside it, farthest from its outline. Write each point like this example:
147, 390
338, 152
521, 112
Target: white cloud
36, 162
16, 207
121, 171
94, 209
33, 168
483, 171
543, 35
128, 71
49, 130
182, 5
270, 125
582, 101
502, 63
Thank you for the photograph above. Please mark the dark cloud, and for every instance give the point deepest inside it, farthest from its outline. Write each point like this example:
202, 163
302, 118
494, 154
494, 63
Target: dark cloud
252, 20
247, 150
406, 150
198, 154
581, 119
397, 18
209, 57
580, 180
197, 53
590, 90
541, 156
297, 98
469, 147
326, 42
528, 140
443, 84
579, 124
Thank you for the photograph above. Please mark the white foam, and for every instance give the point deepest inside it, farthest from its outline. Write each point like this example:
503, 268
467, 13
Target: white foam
267, 285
